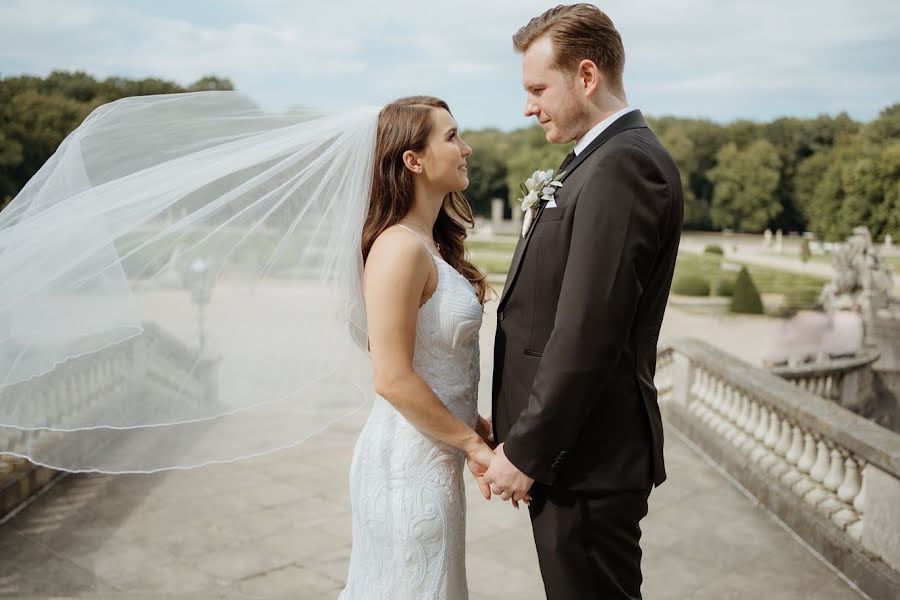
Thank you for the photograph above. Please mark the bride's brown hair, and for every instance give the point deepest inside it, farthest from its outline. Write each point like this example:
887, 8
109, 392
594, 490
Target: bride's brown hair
405, 124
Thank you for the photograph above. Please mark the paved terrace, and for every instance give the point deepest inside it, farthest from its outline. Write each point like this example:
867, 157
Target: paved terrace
279, 527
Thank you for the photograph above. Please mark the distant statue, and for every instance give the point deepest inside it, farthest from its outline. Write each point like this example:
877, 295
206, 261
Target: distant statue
888, 243
813, 336
779, 242
862, 280
767, 238
861, 284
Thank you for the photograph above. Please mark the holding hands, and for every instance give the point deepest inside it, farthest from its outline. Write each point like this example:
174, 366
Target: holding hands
493, 471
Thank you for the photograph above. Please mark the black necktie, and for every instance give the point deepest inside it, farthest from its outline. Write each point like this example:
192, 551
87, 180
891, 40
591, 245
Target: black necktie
568, 159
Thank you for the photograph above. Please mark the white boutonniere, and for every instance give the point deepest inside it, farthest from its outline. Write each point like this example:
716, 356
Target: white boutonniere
540, 187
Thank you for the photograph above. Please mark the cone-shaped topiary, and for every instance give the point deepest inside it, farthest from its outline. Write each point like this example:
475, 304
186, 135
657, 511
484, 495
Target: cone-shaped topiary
746, 298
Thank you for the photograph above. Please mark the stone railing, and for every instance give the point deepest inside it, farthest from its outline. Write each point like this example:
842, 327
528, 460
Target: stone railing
152, 363
847, 381
831, 475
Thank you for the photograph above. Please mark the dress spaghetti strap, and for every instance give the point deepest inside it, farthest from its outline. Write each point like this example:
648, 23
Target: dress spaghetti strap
421, 239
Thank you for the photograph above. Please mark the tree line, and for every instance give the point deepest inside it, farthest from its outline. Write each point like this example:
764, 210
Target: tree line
824, 175
37, 113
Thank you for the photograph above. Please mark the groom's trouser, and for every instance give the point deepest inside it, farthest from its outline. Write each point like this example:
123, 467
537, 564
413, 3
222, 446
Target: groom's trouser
588, 543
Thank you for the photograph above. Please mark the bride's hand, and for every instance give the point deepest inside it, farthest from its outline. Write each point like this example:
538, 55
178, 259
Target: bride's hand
485, 429
478, 460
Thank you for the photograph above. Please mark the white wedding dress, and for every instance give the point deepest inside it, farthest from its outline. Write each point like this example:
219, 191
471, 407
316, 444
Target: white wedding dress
406, 488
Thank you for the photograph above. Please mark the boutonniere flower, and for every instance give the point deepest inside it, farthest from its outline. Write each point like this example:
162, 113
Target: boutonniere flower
539, 188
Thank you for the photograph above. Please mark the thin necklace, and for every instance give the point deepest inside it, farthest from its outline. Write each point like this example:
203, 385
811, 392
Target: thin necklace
427, 236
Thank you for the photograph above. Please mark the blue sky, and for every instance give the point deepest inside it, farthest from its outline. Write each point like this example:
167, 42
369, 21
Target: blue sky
720, 59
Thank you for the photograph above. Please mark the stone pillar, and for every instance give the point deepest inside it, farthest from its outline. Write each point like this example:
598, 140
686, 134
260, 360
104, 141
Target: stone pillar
767, 238
779, 242
857, 391
517, 217
496, 212
888, 243
682, 379
881, 515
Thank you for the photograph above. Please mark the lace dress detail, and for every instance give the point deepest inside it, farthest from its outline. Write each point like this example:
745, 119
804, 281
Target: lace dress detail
406, 488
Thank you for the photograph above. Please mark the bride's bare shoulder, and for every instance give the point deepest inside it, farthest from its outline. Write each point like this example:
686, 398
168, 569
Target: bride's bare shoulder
397, 248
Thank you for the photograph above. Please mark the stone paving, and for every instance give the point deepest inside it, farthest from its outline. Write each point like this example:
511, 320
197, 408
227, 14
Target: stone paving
279, 527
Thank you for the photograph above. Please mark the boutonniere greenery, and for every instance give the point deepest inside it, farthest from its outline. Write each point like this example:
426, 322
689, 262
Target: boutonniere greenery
539, 188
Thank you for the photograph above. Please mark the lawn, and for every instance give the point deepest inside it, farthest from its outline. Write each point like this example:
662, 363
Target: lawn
801, 291
492, 257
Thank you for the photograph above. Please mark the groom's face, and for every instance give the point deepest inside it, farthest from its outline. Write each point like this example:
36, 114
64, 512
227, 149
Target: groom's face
551, 94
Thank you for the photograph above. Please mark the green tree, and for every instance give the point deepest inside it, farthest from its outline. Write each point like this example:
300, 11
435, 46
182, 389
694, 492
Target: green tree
38, 123
694, 161
211, 83
859, 187
745, 183
11, 156
36, 114
681, 147
809, 174
487, 170
888, 212
886, 128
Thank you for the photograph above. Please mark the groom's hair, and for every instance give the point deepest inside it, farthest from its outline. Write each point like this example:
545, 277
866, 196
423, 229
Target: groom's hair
578, 32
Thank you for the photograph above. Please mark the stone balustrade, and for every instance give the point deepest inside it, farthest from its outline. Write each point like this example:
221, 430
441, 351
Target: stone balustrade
831, 475
847, 381
75, 391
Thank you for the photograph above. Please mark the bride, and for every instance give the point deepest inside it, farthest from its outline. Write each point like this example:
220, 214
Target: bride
322, 255
424, 306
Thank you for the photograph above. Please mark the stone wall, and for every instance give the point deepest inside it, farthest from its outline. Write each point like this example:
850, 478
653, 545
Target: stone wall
152, 363
829, 474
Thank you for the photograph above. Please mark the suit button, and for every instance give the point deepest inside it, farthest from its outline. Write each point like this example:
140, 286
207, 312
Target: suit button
500, 316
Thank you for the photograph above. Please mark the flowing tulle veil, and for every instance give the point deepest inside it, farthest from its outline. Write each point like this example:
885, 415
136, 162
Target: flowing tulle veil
181, 285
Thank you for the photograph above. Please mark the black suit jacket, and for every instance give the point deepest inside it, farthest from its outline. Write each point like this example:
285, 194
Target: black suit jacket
579, 319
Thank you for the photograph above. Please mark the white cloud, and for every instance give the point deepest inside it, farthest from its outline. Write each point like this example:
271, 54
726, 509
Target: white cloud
47, 14
720, 59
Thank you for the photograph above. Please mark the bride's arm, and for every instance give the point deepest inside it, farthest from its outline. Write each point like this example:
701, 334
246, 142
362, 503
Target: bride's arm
397, 270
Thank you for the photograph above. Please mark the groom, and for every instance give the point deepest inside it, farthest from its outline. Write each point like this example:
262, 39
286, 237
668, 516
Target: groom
578, 322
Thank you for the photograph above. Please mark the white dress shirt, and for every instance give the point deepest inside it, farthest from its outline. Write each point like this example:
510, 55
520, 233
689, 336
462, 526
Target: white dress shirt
597, 129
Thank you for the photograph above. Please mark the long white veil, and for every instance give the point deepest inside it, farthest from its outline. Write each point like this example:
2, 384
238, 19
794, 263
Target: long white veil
180, 284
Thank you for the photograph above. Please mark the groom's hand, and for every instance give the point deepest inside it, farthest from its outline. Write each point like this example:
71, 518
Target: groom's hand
485, 430
505, 479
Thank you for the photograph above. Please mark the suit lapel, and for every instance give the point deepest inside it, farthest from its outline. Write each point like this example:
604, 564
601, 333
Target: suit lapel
517, 255
632, 120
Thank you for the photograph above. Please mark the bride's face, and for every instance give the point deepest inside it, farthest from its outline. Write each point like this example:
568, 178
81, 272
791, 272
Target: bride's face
444, 159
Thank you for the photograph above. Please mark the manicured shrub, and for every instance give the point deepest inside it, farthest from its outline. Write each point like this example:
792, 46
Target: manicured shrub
691, 285
724, 288
746, 298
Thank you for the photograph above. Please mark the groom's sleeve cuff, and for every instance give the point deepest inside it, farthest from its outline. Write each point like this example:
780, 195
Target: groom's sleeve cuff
541, 469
